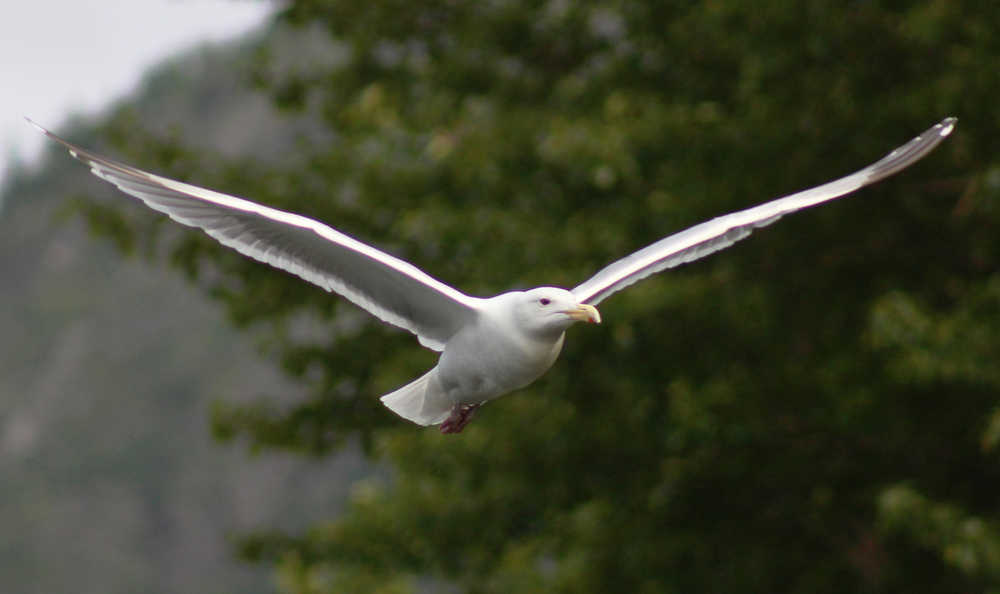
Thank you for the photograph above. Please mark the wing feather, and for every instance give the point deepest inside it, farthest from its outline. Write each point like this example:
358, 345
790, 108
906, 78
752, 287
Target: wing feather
389, 288
719, 233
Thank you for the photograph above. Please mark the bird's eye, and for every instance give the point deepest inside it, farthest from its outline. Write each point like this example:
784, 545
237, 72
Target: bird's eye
545, 301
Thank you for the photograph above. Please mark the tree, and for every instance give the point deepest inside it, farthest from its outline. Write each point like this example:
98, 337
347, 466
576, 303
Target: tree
811, 411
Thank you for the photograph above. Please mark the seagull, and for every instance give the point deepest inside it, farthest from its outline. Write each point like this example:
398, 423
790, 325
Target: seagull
489, 346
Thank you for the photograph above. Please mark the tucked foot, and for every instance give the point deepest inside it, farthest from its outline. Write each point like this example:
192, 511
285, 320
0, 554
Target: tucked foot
460, 416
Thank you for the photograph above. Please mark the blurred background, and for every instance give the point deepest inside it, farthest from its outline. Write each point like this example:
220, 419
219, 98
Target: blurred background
812, 410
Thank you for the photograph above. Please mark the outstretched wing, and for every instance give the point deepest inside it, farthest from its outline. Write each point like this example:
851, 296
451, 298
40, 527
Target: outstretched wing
719, 233
389, 288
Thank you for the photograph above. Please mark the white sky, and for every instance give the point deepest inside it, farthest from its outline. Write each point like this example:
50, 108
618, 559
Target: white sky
59, 57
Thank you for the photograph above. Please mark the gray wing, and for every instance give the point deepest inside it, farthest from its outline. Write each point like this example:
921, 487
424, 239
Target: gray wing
719, 233
389, 288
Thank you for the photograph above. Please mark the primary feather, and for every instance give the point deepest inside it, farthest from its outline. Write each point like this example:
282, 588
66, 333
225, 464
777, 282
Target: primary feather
722, 232
389, 288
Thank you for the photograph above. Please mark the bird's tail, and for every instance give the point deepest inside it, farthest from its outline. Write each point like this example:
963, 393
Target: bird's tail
422, 401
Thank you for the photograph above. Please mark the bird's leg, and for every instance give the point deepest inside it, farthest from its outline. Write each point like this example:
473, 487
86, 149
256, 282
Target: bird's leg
460, 416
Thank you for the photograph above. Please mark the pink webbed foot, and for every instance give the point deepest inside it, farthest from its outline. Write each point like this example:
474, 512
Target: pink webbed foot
460, 416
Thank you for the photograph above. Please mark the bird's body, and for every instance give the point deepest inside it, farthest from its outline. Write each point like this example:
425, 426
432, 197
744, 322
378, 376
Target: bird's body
490, 346
484, 360
498, 352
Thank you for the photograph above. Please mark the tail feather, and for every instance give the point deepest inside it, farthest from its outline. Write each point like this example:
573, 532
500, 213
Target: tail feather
422, 401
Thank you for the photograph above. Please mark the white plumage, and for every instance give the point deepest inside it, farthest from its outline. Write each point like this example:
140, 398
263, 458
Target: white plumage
489, 346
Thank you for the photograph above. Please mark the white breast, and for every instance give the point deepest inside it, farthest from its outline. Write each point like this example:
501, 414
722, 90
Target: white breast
487, 359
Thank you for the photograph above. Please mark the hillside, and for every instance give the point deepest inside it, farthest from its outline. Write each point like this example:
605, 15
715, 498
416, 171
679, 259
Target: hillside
109, 367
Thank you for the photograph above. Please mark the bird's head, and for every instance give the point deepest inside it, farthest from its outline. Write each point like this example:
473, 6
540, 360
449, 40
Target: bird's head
551, 310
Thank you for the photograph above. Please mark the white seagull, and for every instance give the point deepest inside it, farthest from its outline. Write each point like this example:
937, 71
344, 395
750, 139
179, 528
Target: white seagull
489, 346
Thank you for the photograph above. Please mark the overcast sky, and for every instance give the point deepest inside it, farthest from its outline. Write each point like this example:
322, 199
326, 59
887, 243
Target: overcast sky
59, 57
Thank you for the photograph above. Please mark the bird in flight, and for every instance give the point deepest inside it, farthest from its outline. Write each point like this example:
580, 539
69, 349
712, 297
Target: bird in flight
489, 346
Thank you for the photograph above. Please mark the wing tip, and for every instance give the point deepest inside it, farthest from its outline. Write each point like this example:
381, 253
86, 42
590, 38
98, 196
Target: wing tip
72, 149
945, 126
37, 126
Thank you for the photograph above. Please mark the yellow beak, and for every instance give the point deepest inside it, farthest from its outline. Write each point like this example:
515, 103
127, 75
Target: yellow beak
584, 313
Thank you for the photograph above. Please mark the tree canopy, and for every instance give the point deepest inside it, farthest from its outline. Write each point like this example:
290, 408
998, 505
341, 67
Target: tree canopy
814, 410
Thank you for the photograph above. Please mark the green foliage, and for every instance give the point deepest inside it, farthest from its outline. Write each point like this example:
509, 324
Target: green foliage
968, 543
736, 425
